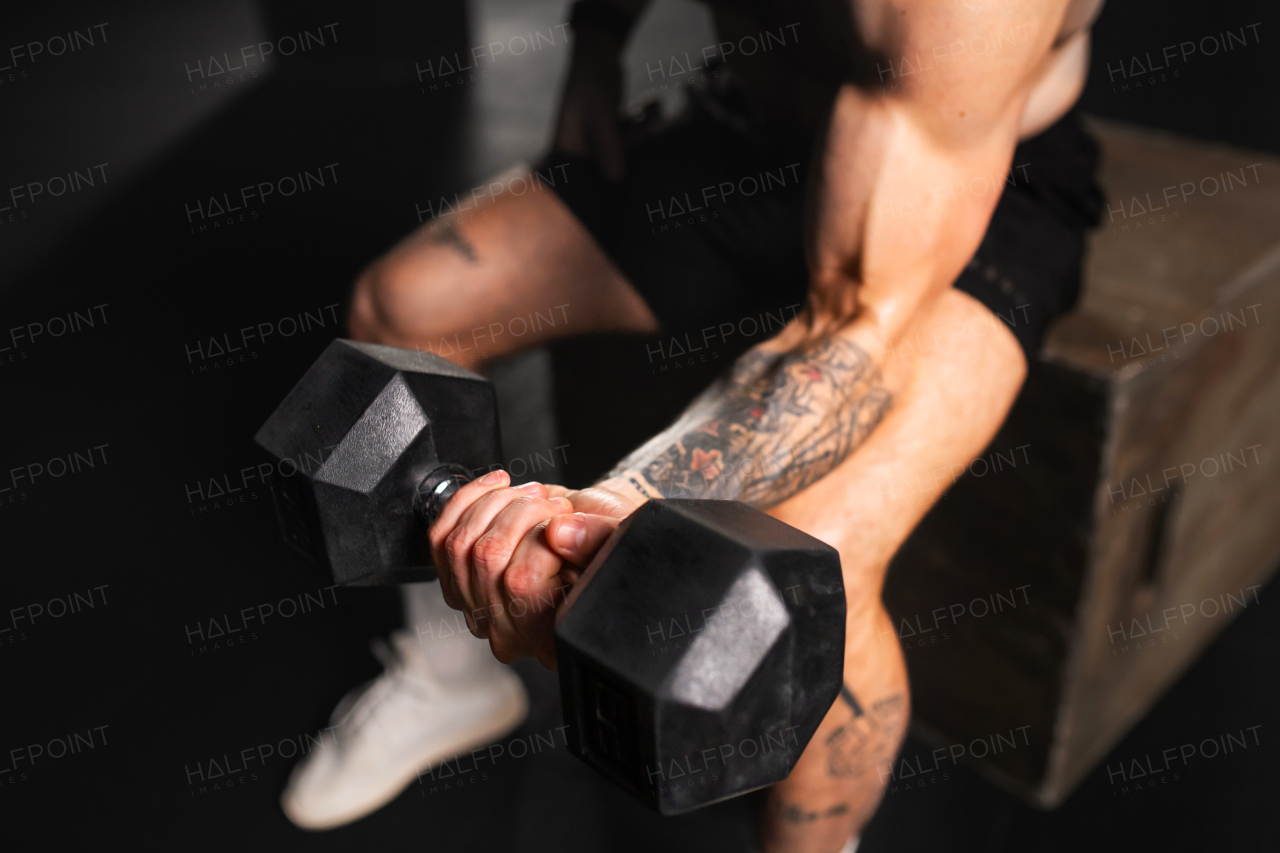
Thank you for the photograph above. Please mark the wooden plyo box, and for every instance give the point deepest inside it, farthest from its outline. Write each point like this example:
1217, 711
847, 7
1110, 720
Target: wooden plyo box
1142, 513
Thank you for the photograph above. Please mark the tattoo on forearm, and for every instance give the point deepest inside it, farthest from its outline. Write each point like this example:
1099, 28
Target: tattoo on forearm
447, 234
775, 425
870, 737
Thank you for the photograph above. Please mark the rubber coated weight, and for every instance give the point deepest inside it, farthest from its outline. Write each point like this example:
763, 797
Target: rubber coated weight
700, 651
352, 443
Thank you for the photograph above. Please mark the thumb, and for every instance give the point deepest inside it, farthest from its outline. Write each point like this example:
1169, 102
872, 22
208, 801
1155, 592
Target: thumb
600, 501
578, 537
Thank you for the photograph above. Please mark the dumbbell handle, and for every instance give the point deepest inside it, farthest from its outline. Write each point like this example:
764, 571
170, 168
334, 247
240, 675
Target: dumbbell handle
435, 490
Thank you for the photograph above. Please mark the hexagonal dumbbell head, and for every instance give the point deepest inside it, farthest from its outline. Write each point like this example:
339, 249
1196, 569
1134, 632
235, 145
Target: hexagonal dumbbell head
353, 443
700, 651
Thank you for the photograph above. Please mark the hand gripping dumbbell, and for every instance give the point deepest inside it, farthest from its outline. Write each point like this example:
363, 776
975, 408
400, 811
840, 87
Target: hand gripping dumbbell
697, 653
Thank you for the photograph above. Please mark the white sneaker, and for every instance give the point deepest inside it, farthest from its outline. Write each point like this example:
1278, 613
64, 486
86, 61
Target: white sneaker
393, 728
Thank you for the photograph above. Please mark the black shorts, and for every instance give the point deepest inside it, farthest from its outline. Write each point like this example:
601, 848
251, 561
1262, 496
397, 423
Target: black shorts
707, 224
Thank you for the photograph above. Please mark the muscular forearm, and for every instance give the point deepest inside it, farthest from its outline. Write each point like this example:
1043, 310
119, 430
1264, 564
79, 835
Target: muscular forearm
907, 184
788, 412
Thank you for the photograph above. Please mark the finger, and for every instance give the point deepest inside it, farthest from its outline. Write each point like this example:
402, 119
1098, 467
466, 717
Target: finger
534, 585
596, 501
467, 495
459, 545
492, 553
493, 549
476, 519
454, 562
578, 537
444, 525
522, 521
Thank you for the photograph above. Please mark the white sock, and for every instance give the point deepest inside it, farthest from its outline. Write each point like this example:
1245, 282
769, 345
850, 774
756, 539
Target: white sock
449, 651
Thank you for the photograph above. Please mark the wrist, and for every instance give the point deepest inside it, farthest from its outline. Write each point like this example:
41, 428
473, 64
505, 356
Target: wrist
631, 486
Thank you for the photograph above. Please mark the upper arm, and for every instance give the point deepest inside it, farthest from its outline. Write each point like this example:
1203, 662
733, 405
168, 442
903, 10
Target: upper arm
935, 110
962, 70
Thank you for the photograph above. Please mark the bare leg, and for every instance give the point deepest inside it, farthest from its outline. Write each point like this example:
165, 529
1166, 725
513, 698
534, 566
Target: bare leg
955, 399
507, 276
468, 286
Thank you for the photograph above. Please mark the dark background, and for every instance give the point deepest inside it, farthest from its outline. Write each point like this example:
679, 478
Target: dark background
128, 382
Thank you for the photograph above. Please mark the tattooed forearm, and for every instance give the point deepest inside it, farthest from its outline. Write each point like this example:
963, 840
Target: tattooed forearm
777, 423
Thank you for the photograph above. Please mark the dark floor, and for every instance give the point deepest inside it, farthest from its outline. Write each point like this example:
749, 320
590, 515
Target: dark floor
156, 561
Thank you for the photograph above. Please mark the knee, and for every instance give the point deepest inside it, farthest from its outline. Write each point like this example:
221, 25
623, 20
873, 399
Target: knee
974, 360
362, 322
384, 308
986, 342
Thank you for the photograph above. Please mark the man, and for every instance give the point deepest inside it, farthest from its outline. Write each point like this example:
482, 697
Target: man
916, 108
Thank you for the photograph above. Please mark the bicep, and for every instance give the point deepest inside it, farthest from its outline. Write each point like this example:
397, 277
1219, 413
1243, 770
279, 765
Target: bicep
894, 215
959, 68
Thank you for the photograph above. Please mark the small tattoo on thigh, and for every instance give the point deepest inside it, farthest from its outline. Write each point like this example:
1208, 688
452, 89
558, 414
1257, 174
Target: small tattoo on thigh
854, 746
447, 234
795, 813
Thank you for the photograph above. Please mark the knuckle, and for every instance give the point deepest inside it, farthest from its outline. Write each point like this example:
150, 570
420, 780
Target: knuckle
385, 291
491, 553
456, 546
529, 576
519, 582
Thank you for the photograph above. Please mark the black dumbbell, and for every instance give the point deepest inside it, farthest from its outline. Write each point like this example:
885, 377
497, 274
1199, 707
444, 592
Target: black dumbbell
697, 653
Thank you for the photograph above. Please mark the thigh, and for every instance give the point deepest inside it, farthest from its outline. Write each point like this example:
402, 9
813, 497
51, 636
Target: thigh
510, 273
